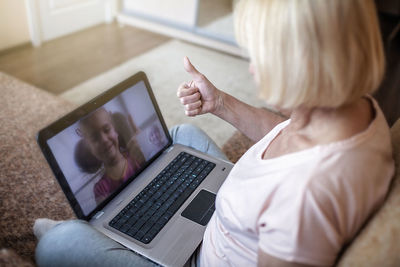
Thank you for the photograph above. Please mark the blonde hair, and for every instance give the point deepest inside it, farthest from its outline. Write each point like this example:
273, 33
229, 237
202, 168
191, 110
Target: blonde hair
312, 53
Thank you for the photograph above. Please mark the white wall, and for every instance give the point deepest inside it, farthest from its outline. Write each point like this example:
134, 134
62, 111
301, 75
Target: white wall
13, 24
181, 12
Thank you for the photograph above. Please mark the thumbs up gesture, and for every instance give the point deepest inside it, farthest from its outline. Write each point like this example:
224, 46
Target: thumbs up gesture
199, 96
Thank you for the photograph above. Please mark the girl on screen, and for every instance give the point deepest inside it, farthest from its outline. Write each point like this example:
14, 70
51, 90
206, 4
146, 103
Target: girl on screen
101, 139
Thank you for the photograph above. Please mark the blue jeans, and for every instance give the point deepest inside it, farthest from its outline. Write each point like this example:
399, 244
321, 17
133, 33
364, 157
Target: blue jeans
76, 243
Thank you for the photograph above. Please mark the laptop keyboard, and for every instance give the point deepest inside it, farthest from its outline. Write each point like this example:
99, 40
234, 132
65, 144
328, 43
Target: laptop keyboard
145, 216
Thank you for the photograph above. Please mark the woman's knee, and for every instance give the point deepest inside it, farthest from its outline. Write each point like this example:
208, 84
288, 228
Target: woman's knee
182, 132
76, 243
55, 245
192, 136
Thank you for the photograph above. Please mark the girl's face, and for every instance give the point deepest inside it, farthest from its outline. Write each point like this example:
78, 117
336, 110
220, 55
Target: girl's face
101, 136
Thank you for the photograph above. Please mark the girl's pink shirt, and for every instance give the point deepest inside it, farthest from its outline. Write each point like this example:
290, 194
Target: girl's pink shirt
105, 186
303, 206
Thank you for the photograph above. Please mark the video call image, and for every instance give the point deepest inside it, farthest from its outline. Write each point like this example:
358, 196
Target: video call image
100, 152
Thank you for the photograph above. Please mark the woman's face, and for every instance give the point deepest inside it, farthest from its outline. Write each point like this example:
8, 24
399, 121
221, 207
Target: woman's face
252, 71
101, 136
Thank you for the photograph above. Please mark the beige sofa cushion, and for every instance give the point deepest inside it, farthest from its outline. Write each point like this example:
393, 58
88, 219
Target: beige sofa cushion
378, 244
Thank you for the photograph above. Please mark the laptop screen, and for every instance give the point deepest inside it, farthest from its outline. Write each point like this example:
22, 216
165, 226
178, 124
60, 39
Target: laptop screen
102, 151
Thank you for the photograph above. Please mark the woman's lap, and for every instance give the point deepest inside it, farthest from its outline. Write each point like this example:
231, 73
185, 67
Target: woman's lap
76, 243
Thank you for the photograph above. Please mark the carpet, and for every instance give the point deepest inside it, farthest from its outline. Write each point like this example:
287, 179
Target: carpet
164, 68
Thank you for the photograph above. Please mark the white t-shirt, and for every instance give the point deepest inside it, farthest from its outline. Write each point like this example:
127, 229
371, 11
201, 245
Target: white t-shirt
302, 206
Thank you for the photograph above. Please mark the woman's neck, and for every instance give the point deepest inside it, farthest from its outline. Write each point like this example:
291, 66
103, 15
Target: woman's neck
300, 118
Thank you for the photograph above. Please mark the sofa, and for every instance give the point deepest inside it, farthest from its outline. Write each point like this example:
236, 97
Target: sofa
28, 189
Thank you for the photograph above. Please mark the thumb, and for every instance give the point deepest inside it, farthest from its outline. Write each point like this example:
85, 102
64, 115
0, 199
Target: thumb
190, 68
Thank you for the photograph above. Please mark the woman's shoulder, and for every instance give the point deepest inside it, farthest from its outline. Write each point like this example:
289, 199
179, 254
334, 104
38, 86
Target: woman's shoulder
364, 125
360, 157
348, 121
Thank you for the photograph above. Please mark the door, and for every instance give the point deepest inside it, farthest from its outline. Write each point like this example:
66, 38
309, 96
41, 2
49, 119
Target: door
55, 18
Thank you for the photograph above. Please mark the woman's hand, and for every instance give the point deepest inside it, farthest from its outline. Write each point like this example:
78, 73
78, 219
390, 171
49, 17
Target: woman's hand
198, 96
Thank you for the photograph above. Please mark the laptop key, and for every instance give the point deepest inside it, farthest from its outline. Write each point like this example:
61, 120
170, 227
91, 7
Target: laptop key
125, 228
139, 235
146, 227
132, 220
146, 239
132, 232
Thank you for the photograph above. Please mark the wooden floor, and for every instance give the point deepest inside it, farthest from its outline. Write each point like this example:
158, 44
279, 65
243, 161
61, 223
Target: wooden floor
62, 63
211, 10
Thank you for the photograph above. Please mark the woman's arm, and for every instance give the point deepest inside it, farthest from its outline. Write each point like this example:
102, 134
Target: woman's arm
254, 122
200, 96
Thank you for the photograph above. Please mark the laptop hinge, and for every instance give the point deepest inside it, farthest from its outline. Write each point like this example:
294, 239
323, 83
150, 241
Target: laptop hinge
98, 214
168, 149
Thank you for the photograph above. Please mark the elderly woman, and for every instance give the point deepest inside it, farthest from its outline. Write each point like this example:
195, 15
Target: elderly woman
310, 182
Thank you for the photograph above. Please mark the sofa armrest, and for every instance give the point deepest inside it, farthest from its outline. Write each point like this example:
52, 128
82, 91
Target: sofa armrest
378, 243
236, 146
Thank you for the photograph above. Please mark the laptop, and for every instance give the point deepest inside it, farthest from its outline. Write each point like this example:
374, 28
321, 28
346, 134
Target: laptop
115, 161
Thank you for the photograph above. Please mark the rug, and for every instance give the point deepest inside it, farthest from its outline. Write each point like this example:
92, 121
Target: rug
164, 68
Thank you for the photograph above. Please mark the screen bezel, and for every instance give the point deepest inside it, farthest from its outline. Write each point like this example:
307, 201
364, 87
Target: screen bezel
80, 112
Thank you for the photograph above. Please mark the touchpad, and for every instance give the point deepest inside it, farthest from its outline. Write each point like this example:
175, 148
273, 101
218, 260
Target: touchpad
201, 208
